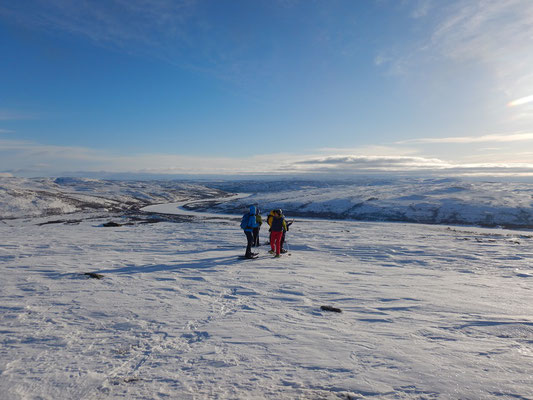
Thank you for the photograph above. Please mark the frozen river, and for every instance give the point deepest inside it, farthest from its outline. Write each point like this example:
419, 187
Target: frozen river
179, 207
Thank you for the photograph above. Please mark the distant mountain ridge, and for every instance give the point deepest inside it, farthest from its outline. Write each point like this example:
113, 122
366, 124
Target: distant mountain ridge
37, 197
430, 201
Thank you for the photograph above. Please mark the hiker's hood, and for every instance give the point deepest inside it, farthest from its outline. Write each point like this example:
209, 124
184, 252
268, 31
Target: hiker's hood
252, 210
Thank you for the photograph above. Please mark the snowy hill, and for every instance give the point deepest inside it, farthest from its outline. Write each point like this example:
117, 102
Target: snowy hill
21, 197
431, 201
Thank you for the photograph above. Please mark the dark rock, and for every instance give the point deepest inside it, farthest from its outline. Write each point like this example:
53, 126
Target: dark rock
111, 224
93, 275
329, 308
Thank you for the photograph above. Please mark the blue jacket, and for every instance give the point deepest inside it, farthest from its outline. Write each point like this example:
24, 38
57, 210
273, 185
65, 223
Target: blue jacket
252, 221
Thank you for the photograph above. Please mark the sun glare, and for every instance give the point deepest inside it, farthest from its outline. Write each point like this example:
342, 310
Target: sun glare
521, 101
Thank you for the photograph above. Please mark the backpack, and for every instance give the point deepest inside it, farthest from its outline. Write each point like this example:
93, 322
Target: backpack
244, 221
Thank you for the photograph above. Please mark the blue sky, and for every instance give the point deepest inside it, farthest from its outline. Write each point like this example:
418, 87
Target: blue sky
266, 87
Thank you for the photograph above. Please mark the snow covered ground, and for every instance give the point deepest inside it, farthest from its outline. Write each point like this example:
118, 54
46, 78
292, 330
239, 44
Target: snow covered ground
431, 201
428, 311
20, 197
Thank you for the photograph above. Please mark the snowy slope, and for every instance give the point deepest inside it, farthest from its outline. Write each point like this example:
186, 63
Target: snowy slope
428, 312
21, 197
432, 201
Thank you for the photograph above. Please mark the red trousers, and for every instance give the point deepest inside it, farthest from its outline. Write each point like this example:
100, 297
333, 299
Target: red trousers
275, 241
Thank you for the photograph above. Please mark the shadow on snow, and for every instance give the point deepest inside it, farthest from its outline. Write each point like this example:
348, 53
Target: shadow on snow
205, 263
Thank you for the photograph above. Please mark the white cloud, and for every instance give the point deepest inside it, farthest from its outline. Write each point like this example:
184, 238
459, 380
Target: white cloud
137, 20
505, 138
180, 32
175, 31
33, 159
408, 165
11, 115
495, 33
372, 163
39, 159
484, 30
422, 8
521, 101
370, 150
492, 38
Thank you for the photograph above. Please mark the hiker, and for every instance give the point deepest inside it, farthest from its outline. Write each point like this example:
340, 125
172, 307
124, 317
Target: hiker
248, 223
277, 227
255, 231
287, 225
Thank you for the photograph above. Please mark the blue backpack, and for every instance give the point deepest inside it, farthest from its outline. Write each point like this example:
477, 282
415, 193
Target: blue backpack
244, 221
